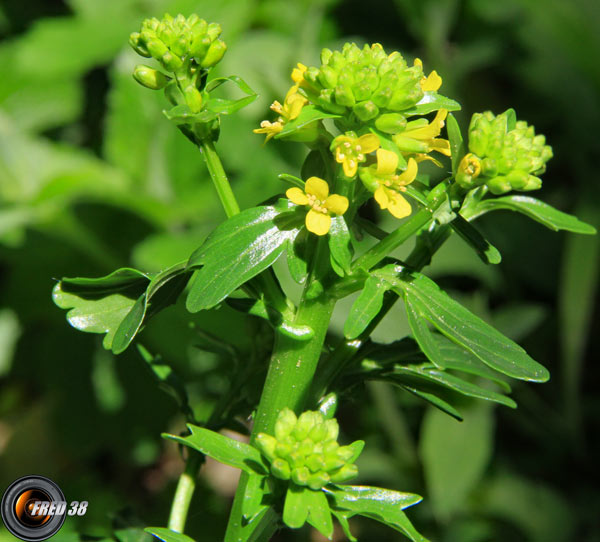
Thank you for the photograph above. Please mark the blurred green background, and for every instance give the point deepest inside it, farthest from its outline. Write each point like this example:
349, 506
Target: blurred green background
93, 177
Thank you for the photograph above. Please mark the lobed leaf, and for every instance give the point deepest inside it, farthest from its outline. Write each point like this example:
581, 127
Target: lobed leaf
423, 335
99, 305
411, 375
340, 246
238, 250
487, 252
537, 210
463, 327
383, 505
223, 449
366, 306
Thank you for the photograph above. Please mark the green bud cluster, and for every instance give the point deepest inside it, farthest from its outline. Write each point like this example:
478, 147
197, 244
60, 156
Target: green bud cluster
510, 155
186, 47
305, 450
366, 82
175, 39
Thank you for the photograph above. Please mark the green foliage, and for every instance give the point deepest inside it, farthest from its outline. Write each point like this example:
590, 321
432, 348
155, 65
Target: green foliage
239, 250
94, 178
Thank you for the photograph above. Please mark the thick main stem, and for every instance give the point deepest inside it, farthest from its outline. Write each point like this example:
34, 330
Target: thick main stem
291, 371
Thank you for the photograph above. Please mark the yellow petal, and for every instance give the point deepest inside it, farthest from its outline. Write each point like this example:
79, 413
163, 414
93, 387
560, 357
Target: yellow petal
318, 188
387, 162
418, 62
440, 145
409, 175
318, 223
398, 206
295, 195
421, 157
295, 106
432, 83
277, 107
368, 143
381, 197
430, 131
336, 204
269, 128
298, 73
350, 166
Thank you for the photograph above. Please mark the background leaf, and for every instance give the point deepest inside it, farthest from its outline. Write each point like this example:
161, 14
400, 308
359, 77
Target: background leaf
455, 456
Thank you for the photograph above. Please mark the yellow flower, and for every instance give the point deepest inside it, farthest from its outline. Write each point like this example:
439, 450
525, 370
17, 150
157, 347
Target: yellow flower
292, 105
271, 129
387, 184
432, 82
421, 137
298, 73
322, 205
468, 170
351, 150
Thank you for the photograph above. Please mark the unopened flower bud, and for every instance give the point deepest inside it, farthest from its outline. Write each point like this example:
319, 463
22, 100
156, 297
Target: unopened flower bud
366, 111
286, 421
149, 77
391, 123
193, 98
347, 472
319, 479
468, 170
214, 54
281, 469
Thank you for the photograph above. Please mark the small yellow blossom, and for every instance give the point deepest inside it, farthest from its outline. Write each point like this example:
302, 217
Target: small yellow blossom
351, 150
432, 82
322, 205
468, 169
298, 74
421, 137
271, 129
292, 104
387, 184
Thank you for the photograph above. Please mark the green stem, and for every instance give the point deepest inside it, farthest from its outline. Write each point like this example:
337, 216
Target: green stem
184, 492
382, 249
219, 178
333, 366
266, 282
376, 253
291, 371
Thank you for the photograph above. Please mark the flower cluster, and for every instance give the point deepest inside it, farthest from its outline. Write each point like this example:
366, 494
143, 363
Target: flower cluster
363, 81
375, 100
505, 154
175, 39
186, 47
305, 450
